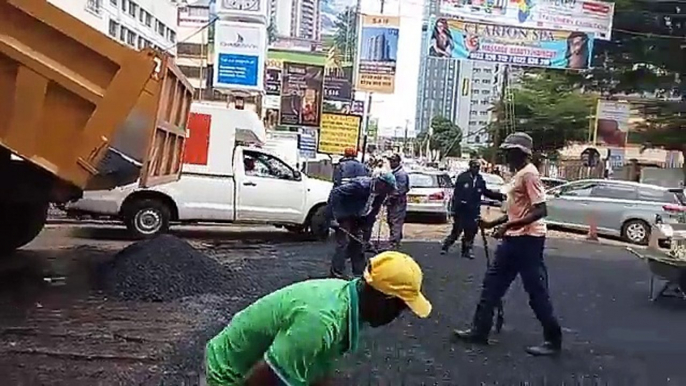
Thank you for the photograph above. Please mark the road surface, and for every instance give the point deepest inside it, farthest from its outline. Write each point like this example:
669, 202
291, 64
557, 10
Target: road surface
57, 328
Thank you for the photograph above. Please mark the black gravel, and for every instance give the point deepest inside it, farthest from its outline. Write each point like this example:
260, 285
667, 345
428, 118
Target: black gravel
163, 269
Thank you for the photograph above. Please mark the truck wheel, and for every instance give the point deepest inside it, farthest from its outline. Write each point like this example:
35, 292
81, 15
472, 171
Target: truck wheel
20, 223
297, 229
146, 218
319, 224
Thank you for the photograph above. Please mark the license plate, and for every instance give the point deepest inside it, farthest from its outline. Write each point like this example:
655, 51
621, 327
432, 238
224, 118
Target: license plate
415, 199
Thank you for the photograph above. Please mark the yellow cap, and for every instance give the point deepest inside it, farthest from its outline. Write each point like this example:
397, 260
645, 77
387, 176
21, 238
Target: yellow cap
397, 274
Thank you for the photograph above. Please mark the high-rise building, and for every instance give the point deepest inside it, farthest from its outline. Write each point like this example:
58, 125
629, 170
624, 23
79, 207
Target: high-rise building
194, 52
137, 23
462, 91
296, 18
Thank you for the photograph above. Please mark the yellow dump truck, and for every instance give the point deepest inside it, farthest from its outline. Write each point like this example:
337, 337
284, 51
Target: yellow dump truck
79, 111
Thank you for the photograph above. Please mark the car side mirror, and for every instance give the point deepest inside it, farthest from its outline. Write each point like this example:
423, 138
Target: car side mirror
297, 175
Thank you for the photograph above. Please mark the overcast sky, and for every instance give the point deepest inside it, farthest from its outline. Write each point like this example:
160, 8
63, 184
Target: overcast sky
394, 109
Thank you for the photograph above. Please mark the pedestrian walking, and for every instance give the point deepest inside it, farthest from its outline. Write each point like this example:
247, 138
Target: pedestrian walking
353, 204
294, 335
396, 203
520, 252
466, 208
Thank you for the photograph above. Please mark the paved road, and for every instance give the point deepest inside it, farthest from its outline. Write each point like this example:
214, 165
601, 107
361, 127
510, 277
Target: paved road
614, 335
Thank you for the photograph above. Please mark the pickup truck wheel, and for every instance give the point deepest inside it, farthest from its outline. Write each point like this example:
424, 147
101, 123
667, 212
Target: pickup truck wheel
297, 229
319, 225
20, 223
147, 218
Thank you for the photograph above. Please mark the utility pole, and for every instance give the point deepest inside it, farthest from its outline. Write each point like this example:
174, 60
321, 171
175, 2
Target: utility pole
496, 133
368, 109
407, 124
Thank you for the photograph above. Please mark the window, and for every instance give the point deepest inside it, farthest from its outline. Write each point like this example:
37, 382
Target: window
657, 195
266, 166
114, 28
615, 192
472, 122
131, 38
123, 5
472, 112
133, 8
94, 6
190, 49
191, 71
122, 33
148, 19
141, 15
582, 189
483, 112
419, 180
172, 36
159, 27
113, 2
483, 123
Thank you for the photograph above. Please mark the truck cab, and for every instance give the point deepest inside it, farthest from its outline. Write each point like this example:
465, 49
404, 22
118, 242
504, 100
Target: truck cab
227, 177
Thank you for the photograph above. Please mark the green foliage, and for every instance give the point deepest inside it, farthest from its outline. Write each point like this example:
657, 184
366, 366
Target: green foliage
445, 139
549, 107
345, 37
636, 60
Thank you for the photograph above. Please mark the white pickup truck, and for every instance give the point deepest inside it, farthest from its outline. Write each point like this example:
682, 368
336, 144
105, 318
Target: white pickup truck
226, 178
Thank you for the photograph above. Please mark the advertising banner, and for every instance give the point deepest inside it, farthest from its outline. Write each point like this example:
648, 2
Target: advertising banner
378, 53
307, 143
612, 123
458, 39
301, 94
338, 132
357, 107
272, 81
240, 50
338, 83
589, 16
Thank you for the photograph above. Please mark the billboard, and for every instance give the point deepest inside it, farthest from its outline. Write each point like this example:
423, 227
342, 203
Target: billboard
307, 143
593, 17
378, 54
301, 94
612, 123
338, 132
458, 39
239, 55
338, 83
272, 82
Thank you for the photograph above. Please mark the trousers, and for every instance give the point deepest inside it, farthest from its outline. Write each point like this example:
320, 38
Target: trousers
349, 249
465, 225
396, 210
523, 256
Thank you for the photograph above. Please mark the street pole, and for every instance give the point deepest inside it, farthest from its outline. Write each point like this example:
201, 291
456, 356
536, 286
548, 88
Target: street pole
407, 123
368, 110
496, 133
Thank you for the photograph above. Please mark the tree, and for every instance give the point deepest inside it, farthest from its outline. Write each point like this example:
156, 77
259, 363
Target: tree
665, 127
549, 107
445, 139
272, 32
345, 37
645, 54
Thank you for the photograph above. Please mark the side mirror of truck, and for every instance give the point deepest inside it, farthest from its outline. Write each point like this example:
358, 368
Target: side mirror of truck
298, 176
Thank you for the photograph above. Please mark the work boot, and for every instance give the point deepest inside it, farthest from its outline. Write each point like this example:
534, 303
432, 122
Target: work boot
333, 274
467, 254
547, 348
444, 250
471, 336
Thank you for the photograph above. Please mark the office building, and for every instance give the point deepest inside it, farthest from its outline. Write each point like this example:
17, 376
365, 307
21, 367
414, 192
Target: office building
194, 52
296, 18
136, 23
462, 91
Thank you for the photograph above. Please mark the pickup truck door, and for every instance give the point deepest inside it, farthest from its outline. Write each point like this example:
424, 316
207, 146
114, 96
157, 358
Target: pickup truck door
268, 190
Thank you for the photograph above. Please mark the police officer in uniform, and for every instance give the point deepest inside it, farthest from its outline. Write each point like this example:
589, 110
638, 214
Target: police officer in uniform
396, 203
466, 208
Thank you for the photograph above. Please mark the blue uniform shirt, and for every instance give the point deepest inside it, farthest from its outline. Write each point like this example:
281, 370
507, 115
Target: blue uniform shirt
347, 169
350, 200
467, 195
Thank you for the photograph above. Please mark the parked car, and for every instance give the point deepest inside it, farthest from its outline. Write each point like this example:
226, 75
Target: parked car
494, 183
430, 193
550, 182
619, 208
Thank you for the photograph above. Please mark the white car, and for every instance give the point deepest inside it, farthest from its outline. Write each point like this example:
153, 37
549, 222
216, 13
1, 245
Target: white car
430, 193
494, 183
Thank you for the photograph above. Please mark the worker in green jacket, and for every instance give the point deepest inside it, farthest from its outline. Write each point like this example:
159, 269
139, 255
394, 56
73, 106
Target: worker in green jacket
293, 336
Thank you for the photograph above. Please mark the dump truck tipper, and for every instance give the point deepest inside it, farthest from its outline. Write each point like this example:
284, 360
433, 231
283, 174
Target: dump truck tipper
79, 111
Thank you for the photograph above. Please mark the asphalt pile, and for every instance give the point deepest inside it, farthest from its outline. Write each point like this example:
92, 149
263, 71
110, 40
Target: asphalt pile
163, 269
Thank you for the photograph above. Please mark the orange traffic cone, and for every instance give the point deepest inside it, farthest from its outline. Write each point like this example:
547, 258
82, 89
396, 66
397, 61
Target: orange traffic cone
592, 228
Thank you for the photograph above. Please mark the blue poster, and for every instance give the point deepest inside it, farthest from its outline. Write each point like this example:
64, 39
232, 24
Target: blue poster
307, 143
234, 69
458, 39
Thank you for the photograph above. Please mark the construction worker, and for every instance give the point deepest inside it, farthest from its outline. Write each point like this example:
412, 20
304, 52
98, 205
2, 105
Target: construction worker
466, 208
396, 203
294, 335
352, 205
348, 168
520, 252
